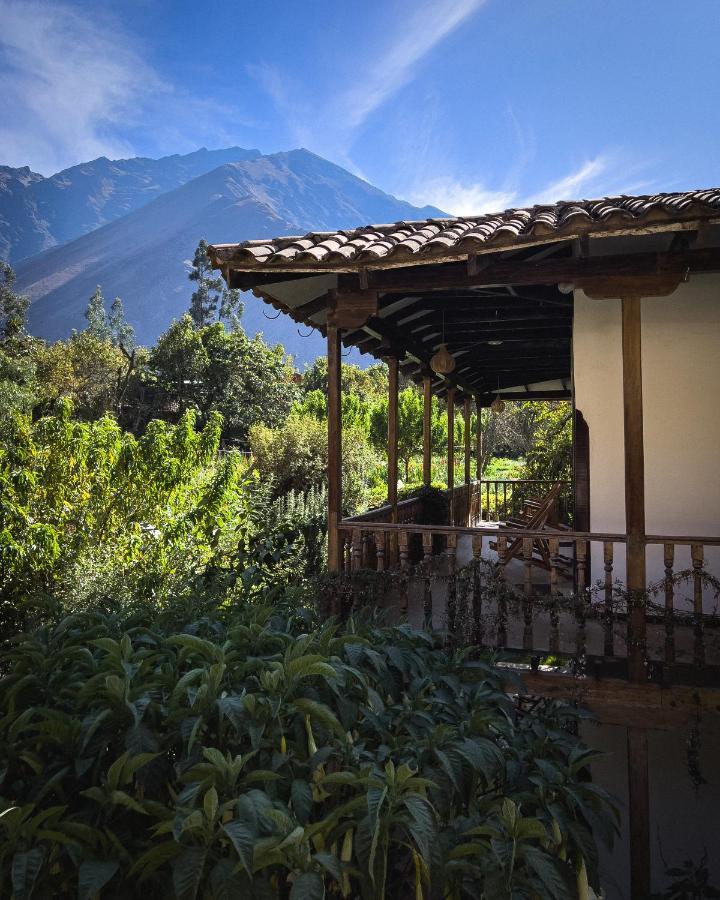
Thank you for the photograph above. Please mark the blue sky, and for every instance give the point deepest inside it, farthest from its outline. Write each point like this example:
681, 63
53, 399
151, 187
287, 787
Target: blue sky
469, 105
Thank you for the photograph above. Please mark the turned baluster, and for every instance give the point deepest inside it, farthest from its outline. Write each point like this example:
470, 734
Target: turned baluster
346, 552
554, 550
580, 600
669, 560
608, 551
505, 511
403, 544
581, 561
380, 550
452, 582
697, 554
502, 605
365, 550
477, 542
527, 544
356, 549
427, 540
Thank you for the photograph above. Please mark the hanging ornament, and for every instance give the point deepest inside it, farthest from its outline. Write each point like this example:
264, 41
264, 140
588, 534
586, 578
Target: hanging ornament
498, 405
442, 362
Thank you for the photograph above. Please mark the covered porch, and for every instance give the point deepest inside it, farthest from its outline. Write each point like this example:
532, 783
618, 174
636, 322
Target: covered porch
629, 613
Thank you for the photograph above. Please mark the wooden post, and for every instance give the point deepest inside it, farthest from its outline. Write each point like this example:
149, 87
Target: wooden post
634, 481
466, 426
639, 806
639, 796
334, 449
478, 440
427, 413
392, 451
451, 451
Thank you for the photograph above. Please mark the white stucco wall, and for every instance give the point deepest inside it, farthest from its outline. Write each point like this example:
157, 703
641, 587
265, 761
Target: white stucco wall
681, 410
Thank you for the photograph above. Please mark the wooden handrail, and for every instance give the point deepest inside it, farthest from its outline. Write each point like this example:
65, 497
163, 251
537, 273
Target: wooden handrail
348, 524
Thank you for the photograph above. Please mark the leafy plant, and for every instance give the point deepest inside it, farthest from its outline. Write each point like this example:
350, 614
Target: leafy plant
253, 754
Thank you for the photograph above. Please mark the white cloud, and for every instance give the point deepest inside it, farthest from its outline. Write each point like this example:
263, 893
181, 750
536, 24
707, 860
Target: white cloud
461, 199
65, 82
584, 181
72, 84
603, 175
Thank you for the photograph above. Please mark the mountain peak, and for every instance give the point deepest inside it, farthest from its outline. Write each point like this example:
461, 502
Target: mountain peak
154, 212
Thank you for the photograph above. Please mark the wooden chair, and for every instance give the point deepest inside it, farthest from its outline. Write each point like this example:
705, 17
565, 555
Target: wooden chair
536, 515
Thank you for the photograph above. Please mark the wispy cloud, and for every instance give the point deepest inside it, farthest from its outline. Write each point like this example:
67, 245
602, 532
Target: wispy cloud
396, 63
606, 174
331, 125
74, 86
64, 81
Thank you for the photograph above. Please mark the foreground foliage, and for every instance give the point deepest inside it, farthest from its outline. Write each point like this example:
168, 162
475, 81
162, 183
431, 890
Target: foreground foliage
250, 755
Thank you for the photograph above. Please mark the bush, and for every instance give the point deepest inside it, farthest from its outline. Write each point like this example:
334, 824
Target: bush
251, 756
294, 456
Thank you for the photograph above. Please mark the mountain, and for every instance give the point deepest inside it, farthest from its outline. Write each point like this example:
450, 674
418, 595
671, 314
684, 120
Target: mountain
143, 256
37, 213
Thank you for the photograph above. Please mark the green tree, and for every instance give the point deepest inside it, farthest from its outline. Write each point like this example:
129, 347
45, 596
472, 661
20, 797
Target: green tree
370, 383
87, 369
410, 426
211, 298
110, 327
13, 306
294, 456
96, 315
213, 369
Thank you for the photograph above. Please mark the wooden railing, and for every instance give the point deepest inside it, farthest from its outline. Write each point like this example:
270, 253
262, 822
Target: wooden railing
531, 591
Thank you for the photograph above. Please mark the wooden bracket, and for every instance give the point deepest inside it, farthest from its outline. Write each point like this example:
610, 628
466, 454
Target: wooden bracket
606, 287
352, 309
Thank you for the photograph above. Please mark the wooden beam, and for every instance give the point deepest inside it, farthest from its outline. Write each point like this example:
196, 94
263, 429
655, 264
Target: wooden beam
427, 436
546, 271
486, 399
615, 701
392, 450
334, 449
451, 450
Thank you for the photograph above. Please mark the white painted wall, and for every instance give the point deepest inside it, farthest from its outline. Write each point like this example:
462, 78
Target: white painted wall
681, 407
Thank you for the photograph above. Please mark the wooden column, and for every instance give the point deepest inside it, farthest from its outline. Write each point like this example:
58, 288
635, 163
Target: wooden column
639, 805
427, 414
334, 449
468, 445
392, 451
634, 478
478, 440
451, 450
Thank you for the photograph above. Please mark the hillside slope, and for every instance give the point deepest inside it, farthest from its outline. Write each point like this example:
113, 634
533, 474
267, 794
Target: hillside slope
143, 256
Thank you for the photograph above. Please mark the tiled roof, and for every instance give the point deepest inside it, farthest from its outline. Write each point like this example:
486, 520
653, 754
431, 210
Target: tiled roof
431, 239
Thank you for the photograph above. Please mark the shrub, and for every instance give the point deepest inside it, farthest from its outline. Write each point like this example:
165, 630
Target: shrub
251, 756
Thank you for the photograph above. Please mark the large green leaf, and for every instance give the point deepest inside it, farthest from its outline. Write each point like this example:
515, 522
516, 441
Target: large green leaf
188, 871
243, 840
26, 866
93, 875
307, 886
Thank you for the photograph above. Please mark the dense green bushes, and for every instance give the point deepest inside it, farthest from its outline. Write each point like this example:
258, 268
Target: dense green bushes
247, 756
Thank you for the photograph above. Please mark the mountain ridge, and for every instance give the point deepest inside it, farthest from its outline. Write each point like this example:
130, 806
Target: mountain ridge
143, 256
